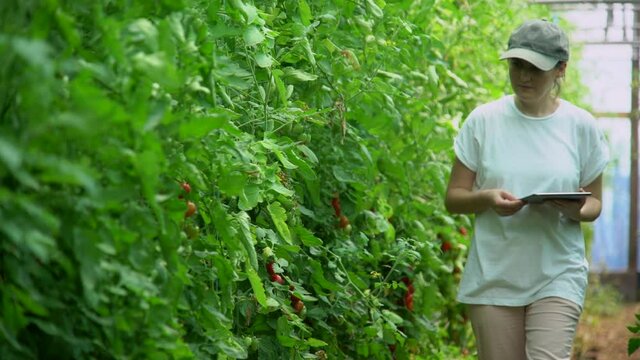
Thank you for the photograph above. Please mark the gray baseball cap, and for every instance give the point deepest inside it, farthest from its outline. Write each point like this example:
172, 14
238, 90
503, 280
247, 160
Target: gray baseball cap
539, 42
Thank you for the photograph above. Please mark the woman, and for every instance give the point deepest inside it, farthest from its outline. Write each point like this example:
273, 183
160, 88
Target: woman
526, 274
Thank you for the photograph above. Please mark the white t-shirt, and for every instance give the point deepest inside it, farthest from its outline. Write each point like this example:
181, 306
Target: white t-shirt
537, 252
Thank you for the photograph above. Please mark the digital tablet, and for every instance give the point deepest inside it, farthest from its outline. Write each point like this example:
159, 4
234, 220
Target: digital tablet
540, 197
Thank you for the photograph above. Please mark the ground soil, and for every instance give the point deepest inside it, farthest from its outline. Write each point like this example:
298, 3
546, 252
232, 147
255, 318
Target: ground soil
606, 337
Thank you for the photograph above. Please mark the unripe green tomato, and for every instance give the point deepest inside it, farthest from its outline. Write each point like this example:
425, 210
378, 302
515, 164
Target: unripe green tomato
192, 230
267, 252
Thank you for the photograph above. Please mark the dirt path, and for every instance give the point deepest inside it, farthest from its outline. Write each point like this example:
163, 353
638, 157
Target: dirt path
605, 338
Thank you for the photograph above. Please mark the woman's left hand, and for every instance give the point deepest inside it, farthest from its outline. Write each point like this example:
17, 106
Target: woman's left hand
570, 208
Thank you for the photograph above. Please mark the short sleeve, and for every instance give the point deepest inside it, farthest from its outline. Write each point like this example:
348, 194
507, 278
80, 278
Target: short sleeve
466, 144
594, 152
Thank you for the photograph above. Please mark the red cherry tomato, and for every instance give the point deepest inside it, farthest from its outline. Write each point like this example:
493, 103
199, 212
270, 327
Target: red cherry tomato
335, 202
270, 268
294, 299
344, 221
191, 209
277, 278
408, 301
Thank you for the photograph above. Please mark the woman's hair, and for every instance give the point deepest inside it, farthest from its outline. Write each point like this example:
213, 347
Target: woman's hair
557, 85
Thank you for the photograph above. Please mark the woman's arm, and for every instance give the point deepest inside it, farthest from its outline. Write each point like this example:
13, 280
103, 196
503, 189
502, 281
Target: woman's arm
461, 199
587, 210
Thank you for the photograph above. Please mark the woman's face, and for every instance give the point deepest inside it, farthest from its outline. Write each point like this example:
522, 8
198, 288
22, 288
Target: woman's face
530, 83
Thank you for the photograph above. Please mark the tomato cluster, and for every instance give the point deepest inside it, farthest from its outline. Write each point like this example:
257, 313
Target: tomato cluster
408, 296
273, 275
343, 221
191, 206
297, 304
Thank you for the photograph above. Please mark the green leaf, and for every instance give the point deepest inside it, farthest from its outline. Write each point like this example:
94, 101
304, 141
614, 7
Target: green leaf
69, 28
158, 68
392, 317
143, 30
250, 12
29, 302
305, 12
318, 276
299, 74
253, 36
62, 171
457, 79
307, 237
307, 49
36, 53
48, 327
176, 27
329, 45
433, 74
633, 345
282, 91
199, 126
256, 285
315, 342
232, 348
273, 303
301, 165
284, 160
285, 333
308, 153
344, 175
280, 189
264, 60
149, 62
247, 238
40, 244
279, 218
391, 75
313, 187
10, 155
250, 197
357, 281
39, 215
374, 9
226, 226
275, 148
232, 184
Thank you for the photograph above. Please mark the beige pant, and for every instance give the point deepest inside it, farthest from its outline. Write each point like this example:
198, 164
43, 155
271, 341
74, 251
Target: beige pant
543, 330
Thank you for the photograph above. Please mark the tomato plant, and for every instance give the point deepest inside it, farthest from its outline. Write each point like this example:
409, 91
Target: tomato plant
266, 112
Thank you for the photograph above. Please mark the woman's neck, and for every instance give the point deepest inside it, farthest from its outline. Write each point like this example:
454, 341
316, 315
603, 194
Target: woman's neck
546, 106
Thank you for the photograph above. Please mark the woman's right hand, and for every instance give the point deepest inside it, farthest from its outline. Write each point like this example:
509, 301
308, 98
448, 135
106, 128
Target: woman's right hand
461, 198
503, 202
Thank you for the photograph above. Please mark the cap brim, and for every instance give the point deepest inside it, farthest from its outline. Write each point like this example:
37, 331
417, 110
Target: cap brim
538, 60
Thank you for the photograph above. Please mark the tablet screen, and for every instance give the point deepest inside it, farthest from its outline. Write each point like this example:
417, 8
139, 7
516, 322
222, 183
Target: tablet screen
540, 197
